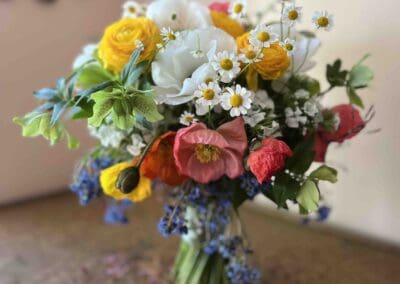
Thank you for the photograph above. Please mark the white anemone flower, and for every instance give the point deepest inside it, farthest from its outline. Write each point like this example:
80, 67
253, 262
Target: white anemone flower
295, 118
132, 9
262, 36
238, 9
136, 146
179, 14
322, 20
177, 73
187, 118
292, 14
227, 65
208, 96
237, 100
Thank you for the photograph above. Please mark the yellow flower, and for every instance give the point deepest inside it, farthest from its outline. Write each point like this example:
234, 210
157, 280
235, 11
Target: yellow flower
224, 22
122, 38
108, 179
273, 64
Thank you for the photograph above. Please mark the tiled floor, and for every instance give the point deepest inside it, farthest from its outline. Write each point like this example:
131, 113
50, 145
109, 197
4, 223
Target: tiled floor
53, 240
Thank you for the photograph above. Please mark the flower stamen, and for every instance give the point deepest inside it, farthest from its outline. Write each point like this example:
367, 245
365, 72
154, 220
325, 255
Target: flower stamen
206, 153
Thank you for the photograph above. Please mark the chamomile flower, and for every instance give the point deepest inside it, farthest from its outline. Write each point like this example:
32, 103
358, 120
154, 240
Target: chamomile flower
208, 96
322, 20
251, 55
187, 118
238, 8
289, 45
262, 36
291, 14
295, 118
168, 34
132, 9
227, 65
139, 44
237, 100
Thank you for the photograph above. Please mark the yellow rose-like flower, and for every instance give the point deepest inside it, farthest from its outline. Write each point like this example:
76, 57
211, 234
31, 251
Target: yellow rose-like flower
273, 64
108, 179
224, 22
122, 38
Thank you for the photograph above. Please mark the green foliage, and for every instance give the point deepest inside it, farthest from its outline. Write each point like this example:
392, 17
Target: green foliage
324, 173
335, 76
308, 197
146, 106
360, 75
93, 75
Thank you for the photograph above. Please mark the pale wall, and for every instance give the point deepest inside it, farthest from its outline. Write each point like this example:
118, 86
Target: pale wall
38, 44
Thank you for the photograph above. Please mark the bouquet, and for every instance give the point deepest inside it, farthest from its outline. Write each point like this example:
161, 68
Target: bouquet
213, 107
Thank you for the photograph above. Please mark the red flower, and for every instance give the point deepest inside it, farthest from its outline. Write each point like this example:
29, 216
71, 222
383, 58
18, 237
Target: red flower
268, 159
351, 123
159, 161
219, 7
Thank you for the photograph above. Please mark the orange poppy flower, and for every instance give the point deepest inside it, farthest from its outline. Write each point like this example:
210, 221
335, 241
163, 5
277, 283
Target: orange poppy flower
159, 161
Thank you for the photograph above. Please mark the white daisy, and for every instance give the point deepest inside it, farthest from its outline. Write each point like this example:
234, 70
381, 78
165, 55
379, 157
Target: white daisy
263, 36
237, 100
322, 20
294, 118
136, 146
251, 55
208, 96
289, 45
227, 65
168, 34
187, 118
291, 14
132, 9
238, 9
302, 94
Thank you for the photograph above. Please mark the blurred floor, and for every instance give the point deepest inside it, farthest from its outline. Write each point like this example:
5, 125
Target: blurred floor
53, 240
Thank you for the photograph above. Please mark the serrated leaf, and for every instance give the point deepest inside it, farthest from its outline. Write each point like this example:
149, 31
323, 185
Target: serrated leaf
324, 173
334, 74
100, 110
30, 129
120, 115
93, 75
308, 196
147, 107
360, 76
354, 98
44, 126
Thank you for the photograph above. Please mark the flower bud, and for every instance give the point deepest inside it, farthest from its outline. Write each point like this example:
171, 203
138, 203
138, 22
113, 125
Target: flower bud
128, 180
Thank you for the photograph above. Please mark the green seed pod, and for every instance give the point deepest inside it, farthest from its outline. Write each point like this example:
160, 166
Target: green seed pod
128, 179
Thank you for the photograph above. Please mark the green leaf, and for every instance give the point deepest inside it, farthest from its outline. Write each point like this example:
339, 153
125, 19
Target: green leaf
308, 196
146, 106
93, 75
354, 98
101, 109
130, 67
29, 129
334, 74
73, 143
123, 121
360, 76
324, 173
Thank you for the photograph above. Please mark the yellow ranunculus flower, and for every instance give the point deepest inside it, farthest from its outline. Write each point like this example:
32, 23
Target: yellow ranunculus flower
273, 64
108, 179
222, 21
122, 38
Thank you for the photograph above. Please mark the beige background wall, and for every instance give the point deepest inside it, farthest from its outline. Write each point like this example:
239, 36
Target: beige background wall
38, 43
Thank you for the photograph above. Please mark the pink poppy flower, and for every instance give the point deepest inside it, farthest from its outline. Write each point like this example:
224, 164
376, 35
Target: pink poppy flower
219, 7
206, 155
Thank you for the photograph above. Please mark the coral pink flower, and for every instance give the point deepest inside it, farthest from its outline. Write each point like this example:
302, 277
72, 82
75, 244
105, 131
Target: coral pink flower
268, 159
206, 155
351, 123
219, 7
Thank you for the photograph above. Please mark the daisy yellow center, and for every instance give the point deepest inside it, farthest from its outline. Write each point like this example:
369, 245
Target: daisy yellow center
189, 119
208, 94
208, 80
289, 46
236, 100
171, 36
293, 15
323, 22
226, 64
263, 36
238, 8
250, 54
206, 153
132, 10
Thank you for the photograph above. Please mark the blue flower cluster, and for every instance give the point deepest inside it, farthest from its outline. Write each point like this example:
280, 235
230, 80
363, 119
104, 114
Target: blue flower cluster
173, 222
322, 215
86, 184
115, 212
249, 182
242, 273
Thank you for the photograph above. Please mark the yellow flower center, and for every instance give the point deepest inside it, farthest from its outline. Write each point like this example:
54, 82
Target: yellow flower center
289, 46
293, 15
189, 119
250, 54
208, 80
206, 153
208, 94
238, 8
263, 36
171, 36
132, 10
323, 22
226, 64
236, 100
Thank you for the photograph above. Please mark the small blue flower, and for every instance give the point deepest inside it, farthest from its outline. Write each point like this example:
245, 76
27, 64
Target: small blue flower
115, 212
323, 213
249, 182
241, 273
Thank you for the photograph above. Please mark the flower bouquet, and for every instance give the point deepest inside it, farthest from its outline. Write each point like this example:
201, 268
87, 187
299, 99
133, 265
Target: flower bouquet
212, 106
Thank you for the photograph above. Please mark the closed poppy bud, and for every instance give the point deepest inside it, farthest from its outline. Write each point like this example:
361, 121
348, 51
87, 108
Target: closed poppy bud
128, 180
